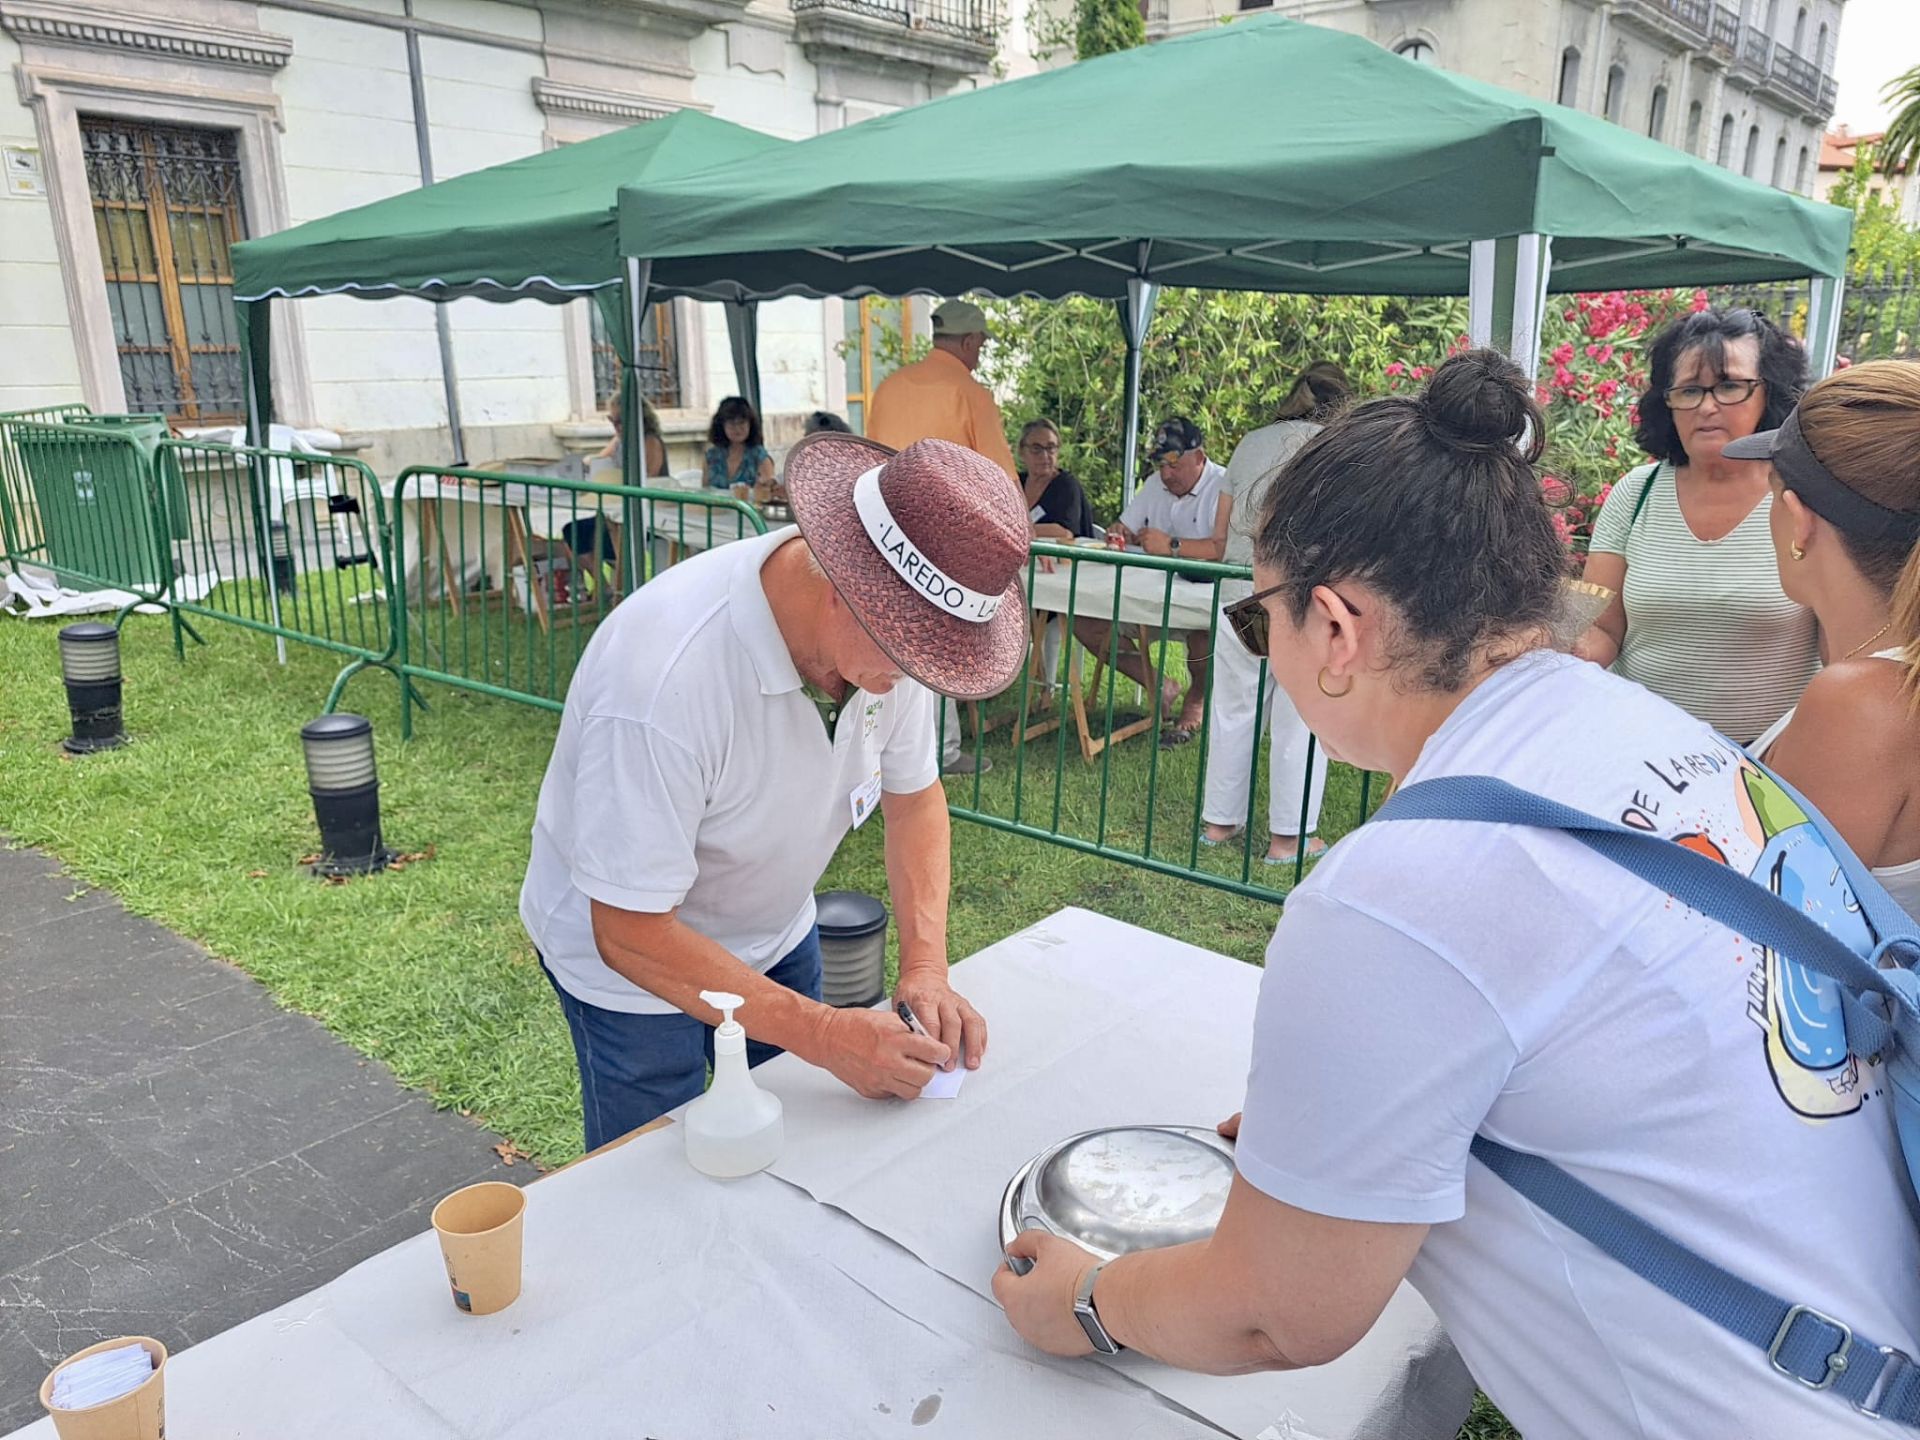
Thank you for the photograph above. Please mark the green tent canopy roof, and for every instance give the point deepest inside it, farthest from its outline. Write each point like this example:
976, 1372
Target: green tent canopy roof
541, 227
1262, 155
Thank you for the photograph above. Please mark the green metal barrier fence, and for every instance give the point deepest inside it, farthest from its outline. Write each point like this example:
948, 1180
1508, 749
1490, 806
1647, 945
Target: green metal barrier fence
493, 583
287, 543
100, 523
499, 579
1136, 802
20, 531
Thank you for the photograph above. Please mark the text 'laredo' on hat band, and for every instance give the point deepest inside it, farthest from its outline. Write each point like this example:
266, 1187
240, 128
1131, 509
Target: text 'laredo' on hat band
897, 548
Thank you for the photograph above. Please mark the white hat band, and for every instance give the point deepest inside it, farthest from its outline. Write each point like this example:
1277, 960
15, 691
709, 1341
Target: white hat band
899, 551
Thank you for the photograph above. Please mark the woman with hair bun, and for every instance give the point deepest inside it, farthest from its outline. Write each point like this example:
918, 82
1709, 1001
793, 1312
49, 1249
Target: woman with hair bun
1433, 981
1846, 535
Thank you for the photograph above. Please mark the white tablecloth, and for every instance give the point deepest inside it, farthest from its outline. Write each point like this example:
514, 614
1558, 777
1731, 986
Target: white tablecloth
1094, 1022
660, 1303
700, 527
1143, 594
471, 516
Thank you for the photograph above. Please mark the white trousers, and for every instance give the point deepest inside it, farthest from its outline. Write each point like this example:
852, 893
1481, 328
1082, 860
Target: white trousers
1232, 743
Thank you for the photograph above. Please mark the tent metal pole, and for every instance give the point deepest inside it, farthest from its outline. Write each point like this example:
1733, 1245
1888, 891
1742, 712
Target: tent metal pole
1136, 314
256, 341
442, 322
743, 337
1823, 323
633, 430
1507, 295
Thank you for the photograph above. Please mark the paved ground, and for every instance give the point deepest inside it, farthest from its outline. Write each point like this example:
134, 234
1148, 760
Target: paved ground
177, 1153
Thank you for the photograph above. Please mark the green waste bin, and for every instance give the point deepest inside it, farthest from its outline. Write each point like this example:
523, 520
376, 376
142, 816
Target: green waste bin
19, 519
147, 431
92, 483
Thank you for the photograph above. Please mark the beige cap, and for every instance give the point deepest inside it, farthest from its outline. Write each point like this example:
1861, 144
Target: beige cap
959, 317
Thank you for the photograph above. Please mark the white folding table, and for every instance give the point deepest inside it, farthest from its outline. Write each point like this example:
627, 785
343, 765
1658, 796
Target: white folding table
841, 1295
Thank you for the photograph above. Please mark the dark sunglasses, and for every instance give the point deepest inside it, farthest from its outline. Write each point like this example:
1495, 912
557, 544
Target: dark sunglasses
1248, 619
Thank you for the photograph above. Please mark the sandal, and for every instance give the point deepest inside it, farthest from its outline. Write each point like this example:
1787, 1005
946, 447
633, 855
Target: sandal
1227, 839
1177, 736
1316, 847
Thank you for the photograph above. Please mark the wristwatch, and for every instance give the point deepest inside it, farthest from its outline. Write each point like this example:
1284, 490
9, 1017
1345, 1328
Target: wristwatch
1089, 1318
1173, 545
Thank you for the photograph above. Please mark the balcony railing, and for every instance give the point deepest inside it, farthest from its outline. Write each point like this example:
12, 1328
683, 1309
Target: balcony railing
1725, 34
1756, 51
1799, 73
977, 20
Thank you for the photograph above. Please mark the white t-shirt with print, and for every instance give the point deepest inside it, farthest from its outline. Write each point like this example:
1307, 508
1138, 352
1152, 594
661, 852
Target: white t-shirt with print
1183, 517
1434, 978
693, 772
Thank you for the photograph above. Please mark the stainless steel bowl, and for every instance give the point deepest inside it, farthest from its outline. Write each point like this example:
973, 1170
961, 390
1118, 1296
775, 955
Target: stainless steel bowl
1124, 1188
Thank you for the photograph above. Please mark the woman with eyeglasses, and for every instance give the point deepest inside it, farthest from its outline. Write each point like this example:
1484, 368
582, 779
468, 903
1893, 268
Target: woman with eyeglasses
1699, 616
1056, 500
1433, 981
1057, 509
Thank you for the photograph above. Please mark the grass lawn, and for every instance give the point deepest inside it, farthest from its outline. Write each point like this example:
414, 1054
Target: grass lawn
201, 822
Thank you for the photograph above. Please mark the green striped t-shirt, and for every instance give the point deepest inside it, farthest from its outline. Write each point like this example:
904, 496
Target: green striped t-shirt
1708, 626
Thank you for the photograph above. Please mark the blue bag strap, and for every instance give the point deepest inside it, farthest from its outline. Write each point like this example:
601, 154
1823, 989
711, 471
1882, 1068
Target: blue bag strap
1705, 885
1889, 919
1801, 1342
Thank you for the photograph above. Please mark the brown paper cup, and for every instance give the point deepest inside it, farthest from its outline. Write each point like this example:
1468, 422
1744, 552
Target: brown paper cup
140, 1414
479, 1229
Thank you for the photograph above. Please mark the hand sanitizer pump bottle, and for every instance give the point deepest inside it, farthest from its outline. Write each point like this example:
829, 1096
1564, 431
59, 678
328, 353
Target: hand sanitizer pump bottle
735, 1128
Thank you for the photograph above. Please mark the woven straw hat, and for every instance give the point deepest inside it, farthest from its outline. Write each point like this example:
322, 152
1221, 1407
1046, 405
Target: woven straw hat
927, 546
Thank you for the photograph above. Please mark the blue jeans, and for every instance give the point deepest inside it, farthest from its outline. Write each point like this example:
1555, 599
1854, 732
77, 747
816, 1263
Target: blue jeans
635, 1068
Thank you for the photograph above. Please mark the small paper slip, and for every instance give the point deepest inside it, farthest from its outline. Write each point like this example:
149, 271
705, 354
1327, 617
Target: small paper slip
946, 1084
102, 1377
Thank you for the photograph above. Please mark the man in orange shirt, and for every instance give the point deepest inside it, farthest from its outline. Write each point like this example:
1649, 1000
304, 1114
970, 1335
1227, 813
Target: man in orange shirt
938, 399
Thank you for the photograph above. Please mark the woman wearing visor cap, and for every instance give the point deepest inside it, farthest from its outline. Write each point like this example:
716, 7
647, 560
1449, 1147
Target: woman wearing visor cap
1846, 519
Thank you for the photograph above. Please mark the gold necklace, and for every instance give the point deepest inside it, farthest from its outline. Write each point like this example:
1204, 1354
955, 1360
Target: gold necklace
1868, 641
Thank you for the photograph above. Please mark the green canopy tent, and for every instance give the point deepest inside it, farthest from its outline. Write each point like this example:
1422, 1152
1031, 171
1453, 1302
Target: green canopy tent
538, 228
1262, 155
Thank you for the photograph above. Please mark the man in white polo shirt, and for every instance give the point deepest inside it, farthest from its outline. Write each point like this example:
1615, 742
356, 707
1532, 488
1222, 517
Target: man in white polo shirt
727, 725
1182, 510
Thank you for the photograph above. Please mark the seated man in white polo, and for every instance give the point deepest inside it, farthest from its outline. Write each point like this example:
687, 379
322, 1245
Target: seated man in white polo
729, 723
1181, 511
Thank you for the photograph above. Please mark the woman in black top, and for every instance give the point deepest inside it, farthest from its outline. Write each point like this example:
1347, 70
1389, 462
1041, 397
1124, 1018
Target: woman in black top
1057, 507
1056, 504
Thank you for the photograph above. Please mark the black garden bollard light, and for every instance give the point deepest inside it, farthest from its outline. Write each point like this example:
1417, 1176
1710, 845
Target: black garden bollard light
280, 551
90, 666
346, 795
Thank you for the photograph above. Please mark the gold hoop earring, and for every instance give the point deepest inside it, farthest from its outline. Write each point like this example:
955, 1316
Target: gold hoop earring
1796, 552
1321, 681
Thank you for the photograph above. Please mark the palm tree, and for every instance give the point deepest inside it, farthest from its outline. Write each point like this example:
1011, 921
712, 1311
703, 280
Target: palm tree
1900, 149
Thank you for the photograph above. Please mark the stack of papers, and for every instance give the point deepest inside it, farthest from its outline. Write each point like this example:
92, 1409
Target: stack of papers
100, 1377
